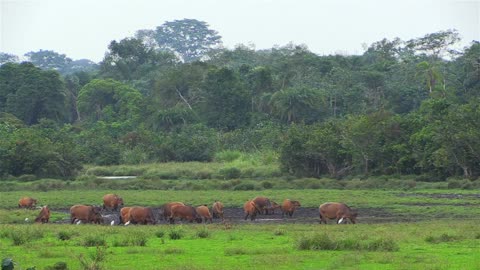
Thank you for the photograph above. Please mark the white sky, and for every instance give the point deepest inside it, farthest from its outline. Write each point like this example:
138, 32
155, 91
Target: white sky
84, 28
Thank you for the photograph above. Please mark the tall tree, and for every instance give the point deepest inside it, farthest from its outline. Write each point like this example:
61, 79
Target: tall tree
30, 93
46, 59
109, 101
6, 58
130, 59
189, 38
297, 104
226, 104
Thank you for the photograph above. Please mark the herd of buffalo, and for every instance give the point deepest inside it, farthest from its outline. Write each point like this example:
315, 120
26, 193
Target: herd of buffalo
177, 210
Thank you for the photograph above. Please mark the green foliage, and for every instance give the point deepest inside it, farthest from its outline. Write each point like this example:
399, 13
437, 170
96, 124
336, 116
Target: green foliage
226, 100
296, 105
176, 234
39, 152
91, 240
194, 143
31, 94
445, 237
400, 108
95, 260
109, 101
58, 266
190, 38
203, 233
227, 156
325, 242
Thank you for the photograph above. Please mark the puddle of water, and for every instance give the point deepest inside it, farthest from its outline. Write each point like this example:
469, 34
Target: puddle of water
116, 177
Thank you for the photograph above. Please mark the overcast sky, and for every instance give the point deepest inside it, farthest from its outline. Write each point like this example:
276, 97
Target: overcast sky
84, 28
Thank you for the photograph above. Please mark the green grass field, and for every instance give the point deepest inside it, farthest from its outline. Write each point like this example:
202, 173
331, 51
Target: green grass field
442, 232
445, 244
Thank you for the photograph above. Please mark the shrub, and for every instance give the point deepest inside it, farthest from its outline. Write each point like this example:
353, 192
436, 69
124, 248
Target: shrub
244, 186
203, 233
175, 234
93, 261
58, 266
174, 250
131, 240
65, 235
227, 156
94, 241
27, 178
441, 238
230, 173
267, 184
235, 251
160, 234
324, 242
317, 242
24, 235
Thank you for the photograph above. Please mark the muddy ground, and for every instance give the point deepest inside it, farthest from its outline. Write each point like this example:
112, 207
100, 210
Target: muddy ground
303, 215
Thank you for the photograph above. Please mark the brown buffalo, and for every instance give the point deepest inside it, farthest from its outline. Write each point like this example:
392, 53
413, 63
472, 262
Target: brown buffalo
112, 201
184, 212
125, 214
44, 215
262, 203
217, 210
166, 209
27, 202
289, 206
271, 209
141, 215
250, 209
339, 211
86, 214
204, 213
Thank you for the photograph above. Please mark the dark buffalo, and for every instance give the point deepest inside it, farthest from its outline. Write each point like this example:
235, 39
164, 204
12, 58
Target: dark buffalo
289, 206
204, 213
250, 209
43, 216
166, 209
141, 215
27, 202
186, 212
271, 209
125, 214
112, 202
86, 214
262, 203
217, 210
338, 211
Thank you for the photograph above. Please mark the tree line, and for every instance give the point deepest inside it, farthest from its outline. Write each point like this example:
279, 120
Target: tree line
166, 94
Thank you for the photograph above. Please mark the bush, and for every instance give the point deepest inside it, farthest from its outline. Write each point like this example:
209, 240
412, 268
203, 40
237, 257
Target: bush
94, 241
203, 233
441, 238
244, 186
324, 242
174, 250
175, 234
227, 156
65, 235
58, 266
27, 178
267, 184
230, 173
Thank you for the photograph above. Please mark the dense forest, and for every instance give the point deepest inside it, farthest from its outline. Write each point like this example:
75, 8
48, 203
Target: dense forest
403, 107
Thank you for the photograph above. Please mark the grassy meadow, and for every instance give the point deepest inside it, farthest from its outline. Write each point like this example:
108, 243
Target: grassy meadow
444, 244
430, 225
